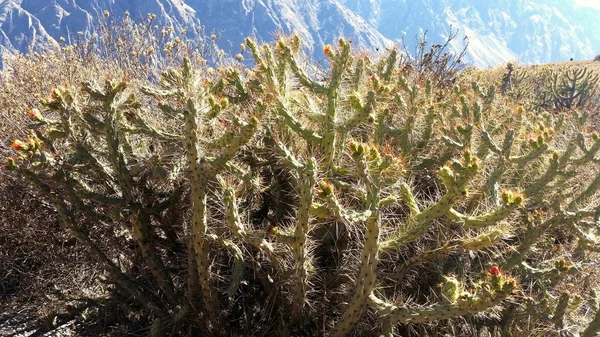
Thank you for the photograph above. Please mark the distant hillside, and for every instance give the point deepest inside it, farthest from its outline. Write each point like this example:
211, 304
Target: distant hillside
497, 31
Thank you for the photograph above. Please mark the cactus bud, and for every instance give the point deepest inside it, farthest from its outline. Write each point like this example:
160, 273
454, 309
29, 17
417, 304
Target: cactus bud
11, 164
356, 101
295, 43
327, 49
451, 288
456, 89
18, 145
518, 199
477, 111
357, 149
325, 190
374, 155
446, 176
505, 197
55, 93
35, 113
496, 277
375, 80
562, 265
540, 141
509, 286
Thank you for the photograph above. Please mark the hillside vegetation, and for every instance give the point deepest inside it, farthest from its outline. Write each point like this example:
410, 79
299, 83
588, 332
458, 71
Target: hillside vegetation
160, 188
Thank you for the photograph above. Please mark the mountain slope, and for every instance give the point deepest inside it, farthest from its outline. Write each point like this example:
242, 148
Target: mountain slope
531, 31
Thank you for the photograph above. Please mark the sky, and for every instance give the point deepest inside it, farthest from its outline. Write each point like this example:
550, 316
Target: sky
588, 3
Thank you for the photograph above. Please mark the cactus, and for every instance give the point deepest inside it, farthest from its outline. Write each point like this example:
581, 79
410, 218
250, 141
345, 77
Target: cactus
369, 256
320, 194
299, 244
468, 303
573, 88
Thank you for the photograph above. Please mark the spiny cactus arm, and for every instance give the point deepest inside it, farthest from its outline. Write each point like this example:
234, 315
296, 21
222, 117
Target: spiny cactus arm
256, 54
409, 199
584, 196
288, 157
390, 65
405, 134
369, 257
592, 299
299, 245
487, 140
381, 128
492, 185
340, 65
231, 142
553, 170
112, 114
358, 73
551, 273
282, 74
469, 244
593, 328
116, 157
142, 127
364, 114
463, 306
586, 240
560, 311
589, 155
238, 229
234, 78
159, 93
388, 201
199, 211
456, 187
285, 238
304, 79
68, 221
531, 236
511, 201
335, 209
453, 142
427, 133
532, 155
320, 210
141, 231
199, 236
296, 126
241, 174
238, 260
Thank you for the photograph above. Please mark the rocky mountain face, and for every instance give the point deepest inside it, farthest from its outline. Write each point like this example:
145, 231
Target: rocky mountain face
532, 31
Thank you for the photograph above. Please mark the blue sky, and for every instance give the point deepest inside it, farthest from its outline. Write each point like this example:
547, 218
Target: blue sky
588, 3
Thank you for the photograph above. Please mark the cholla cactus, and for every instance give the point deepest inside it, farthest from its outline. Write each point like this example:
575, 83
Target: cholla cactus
322, 195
